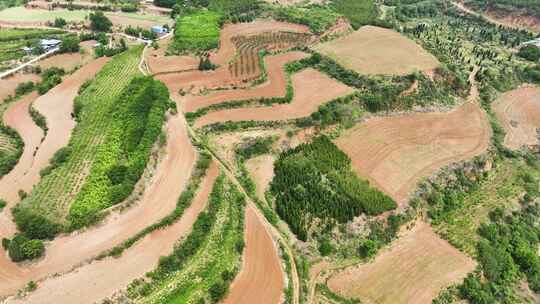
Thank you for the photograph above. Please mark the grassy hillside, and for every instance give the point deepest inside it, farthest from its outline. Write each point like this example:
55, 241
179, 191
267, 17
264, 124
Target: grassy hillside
528, 7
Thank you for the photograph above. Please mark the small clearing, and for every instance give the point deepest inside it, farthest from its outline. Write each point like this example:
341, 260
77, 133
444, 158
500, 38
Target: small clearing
261, 169
395, 153
519, 113
308, 96
413, 270
375, 50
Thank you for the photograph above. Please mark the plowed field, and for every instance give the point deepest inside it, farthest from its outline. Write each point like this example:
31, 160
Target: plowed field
519, 113
413, 270
308, 96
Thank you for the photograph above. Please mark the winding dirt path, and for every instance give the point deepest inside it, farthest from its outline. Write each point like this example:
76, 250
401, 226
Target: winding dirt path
100, 279
311, 89
261, 279
56, 105
275, 86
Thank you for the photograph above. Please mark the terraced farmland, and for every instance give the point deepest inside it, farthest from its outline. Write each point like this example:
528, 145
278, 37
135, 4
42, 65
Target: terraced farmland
247, 65
53, 196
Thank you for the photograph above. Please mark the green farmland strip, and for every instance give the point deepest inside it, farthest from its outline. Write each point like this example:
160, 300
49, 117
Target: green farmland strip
52, 197
198, 32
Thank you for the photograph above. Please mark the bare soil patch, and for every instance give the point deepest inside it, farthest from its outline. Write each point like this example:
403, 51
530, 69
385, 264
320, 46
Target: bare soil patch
395, 153
100, 279
275, 86
261, 279
308, 96
375, 50
159, 63
69, 61
519, 113
413, 270
8, 84
261, 169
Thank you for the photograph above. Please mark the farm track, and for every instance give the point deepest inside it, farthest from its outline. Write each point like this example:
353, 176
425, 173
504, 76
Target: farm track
101, 279
275, 86
56, 106
308, 96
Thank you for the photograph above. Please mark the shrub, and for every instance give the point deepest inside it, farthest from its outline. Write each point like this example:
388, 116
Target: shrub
99, 22
59, 22
70, 44
530, 52
2, 204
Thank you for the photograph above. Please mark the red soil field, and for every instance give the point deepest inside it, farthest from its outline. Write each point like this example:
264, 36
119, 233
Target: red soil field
8, 84
274, 87
56, 105
227, 49
261, 169
519, 113
158, 200
308, 96
159, 63
413, 270
261, 279
69, 61
395, 153
100, 278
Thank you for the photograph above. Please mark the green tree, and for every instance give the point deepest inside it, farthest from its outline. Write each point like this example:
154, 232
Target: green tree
70, 45
59, 22
99, 22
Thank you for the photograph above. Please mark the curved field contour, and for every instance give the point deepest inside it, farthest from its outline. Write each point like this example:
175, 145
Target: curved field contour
311, 89
395, 153
519, 113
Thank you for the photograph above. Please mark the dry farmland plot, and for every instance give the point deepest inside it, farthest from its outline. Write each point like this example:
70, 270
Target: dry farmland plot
308, 96
375, 50
395, 153
413, 270
519, 113
261, 169
261, 279
8, 84
93, 282
275, 86
227, 48
69, 61
159, 63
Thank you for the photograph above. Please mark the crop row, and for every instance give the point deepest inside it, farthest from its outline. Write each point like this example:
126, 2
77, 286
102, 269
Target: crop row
246, 65
54, 194
211, 253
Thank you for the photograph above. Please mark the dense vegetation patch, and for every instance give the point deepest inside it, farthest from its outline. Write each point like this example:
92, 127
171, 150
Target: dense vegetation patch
316, 180
198, 31
42, 214
317, 17
529, 7
136, 120
210, 252
357, 12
